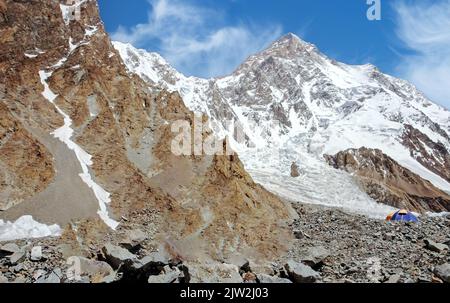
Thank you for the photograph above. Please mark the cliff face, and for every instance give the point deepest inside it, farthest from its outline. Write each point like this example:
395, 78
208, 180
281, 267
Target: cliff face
388, 182
80, 138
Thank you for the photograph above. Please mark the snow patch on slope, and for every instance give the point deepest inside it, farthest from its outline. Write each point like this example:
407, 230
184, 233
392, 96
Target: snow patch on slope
64, 134
27, 228
68, 10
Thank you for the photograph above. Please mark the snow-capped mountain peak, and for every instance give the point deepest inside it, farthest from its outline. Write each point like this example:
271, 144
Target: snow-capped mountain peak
292, 97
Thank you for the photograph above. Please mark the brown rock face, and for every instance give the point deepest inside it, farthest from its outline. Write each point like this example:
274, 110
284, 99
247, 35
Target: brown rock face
295, 170
388, 182
26, 167
209, 206
433, 156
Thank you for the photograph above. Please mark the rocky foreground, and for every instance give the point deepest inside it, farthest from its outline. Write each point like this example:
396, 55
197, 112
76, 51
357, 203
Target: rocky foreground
331, 247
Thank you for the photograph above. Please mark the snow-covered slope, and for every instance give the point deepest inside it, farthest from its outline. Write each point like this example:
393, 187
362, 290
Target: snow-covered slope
296, 105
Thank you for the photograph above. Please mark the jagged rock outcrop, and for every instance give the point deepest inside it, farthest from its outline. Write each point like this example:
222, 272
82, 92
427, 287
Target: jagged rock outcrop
388, 182
71, 109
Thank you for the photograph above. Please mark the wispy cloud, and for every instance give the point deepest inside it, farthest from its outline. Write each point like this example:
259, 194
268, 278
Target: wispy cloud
196, 39
424, 27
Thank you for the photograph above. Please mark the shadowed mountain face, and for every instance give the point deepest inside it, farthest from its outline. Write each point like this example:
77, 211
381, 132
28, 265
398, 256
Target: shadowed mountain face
293, 99
83, 139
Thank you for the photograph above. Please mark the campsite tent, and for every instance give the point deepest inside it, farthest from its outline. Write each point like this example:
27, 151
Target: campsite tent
402, 215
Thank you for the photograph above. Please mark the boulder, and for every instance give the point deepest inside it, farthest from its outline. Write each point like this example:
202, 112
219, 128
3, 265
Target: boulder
241, 262
433, 246
3, 279
168, 275
20, 280
266, 279
394, 279
443, 272
447, 242
140, 270
52, 278
38, 274
389, 236
36, 253
8, 249
298, 234
314, 256
98, 271
301, 273
249, 277
213, 273
133, 240
295, 173
117, 256
153, 261
17, 257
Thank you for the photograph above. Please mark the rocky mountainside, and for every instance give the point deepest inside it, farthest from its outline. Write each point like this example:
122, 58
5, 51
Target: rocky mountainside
295, 105
84, 145
388, 182
91, 191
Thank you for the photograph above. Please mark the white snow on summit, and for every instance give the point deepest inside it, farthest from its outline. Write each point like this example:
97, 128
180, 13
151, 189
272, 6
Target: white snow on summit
295, 104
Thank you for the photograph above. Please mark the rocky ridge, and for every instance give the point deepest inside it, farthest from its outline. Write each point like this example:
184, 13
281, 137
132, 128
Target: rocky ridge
388, 182
102, 139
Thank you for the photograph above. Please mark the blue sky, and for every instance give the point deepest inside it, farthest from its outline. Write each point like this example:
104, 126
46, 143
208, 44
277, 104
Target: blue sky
210, 38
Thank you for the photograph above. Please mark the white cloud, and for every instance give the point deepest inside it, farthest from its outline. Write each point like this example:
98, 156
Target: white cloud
425, 28
195, 40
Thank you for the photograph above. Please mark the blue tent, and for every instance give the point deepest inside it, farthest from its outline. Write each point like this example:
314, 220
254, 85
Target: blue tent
403, 216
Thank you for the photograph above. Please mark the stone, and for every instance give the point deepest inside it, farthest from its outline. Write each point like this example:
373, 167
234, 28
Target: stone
213, 273
152, 260
298, 234
266, 269
3, 279
36, 254
20, 280
295, 173
58, 272
8, 249
17, 257
267, 279
301, 273
117, 256
394, 279
443, 272
133, 240
389, 236
424, 279
433, 246
314, 256
17, 268
99, 271
169, 275
435, 279
249, 277
38, 274
241, 262
52, 278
